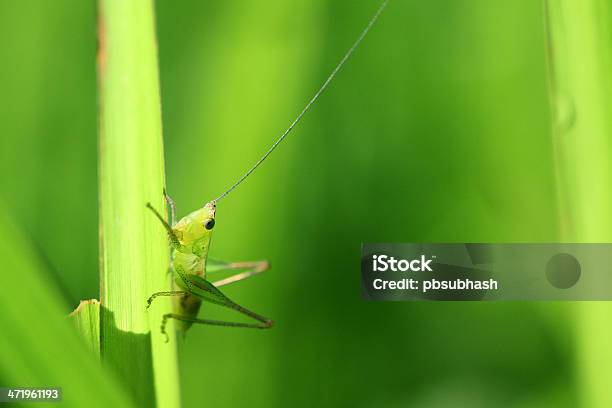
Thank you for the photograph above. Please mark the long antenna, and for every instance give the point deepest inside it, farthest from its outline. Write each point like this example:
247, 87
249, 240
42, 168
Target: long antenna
312, 101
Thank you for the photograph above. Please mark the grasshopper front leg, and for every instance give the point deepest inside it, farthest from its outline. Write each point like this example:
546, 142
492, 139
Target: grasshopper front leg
172, 206
171, 233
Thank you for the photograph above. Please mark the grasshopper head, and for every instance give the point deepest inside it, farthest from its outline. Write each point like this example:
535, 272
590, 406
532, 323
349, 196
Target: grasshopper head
197, 225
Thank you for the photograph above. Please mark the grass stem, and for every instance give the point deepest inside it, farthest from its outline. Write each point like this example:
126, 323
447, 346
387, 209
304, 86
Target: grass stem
580, 62
134, 247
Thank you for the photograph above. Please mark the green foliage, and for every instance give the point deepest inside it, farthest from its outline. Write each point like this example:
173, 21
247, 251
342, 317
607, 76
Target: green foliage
580, 52
437, 130
38, 346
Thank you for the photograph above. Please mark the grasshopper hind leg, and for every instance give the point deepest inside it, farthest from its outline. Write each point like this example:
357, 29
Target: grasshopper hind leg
243, 271
265, 323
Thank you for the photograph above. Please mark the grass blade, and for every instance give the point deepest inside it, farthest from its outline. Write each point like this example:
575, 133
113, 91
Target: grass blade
580, 54
134, 248
86, 318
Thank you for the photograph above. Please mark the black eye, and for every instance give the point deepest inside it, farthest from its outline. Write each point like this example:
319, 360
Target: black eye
209, 224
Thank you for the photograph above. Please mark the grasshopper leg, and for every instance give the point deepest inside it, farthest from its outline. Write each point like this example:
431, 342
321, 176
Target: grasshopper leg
181, 273
168, 293
207, 292
265, 323
172, 207
171, 234
250, 269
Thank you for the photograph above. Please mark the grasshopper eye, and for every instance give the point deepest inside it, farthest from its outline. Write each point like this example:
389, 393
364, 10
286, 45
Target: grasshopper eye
209, 224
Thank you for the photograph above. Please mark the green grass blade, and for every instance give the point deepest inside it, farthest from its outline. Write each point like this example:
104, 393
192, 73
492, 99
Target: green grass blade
134, 248
86, 319
580, 53
38, 346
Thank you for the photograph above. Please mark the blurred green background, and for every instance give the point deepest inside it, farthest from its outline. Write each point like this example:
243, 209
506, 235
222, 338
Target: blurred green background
437, 130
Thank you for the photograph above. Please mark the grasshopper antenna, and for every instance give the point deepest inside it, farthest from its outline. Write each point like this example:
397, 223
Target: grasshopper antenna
310, 103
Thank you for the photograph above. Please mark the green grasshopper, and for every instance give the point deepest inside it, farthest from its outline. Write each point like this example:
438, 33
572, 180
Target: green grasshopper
190, 240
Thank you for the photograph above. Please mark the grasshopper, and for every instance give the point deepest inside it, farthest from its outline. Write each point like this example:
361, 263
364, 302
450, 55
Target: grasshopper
190, 239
